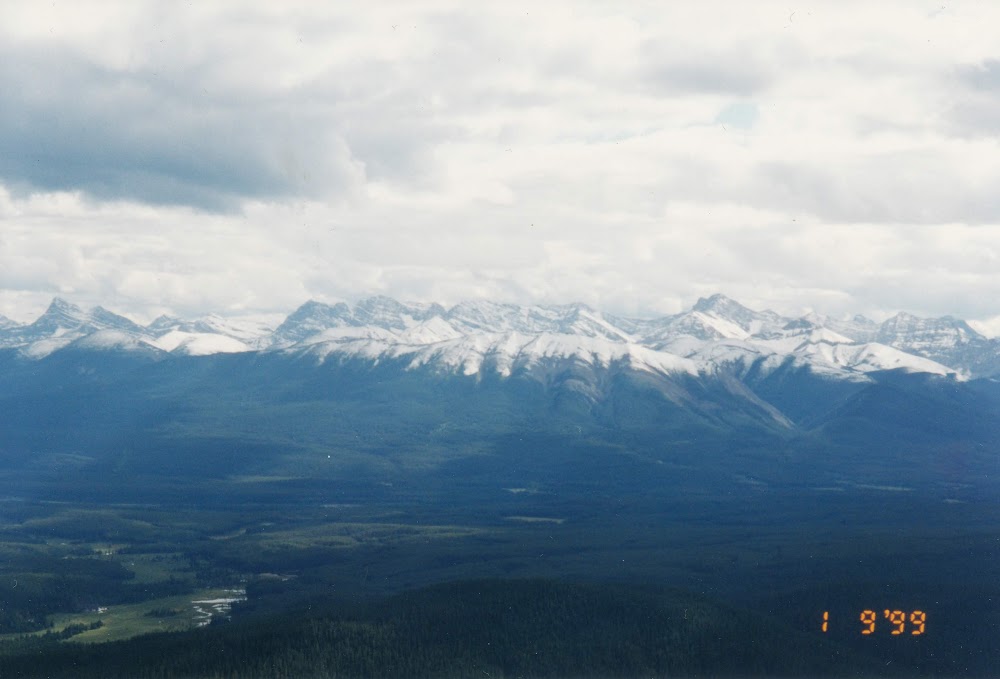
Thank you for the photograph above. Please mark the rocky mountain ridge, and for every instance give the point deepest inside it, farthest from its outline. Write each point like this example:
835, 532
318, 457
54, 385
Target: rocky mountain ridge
717, 333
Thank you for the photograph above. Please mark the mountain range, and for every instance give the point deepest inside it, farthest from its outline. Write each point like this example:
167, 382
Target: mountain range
371, 394
716, 335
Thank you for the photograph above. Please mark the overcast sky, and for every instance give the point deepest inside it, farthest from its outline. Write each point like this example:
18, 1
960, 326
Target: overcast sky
245, 157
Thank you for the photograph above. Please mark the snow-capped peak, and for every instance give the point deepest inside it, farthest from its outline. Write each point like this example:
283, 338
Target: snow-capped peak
913, 330
61, 324
723, 308
720, 305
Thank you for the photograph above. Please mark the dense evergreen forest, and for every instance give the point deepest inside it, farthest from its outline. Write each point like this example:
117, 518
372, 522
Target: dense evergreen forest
494, 628
697, 588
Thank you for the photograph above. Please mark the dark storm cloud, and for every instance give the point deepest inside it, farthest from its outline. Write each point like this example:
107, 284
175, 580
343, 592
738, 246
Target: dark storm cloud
174, 138
68, 124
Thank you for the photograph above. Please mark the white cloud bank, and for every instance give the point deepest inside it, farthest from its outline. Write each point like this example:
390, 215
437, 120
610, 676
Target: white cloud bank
245, 157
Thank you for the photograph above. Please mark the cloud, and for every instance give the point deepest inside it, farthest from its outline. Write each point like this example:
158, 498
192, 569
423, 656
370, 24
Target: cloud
248, 156
984, 76
975, 108
66, 124
732, 74
211, 110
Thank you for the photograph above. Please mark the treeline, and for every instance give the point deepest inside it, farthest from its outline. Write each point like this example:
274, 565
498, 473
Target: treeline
519, 628
32, 588
26, 600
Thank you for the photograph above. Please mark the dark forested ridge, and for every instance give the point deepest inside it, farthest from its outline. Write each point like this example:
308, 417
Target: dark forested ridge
128, 425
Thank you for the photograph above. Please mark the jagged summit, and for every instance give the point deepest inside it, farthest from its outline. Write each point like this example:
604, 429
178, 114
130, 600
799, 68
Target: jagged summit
310, 319
904, 323
387, 312
718, 302
7, 323
722, 307
60, 312
163, 323
65, 320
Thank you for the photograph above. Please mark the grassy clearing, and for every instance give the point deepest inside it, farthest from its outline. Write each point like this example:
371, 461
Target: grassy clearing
167, 614
535, 519
156, 567
355, 534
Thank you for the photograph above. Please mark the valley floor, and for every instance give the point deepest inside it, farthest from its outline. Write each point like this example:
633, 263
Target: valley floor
775, 559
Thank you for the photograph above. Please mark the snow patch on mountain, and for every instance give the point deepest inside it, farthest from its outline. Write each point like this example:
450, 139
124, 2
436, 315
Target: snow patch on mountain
430, 331
506, 352
723, 327
44, 347
112, 340
868, 358
253, 331
199, 343
989, 328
